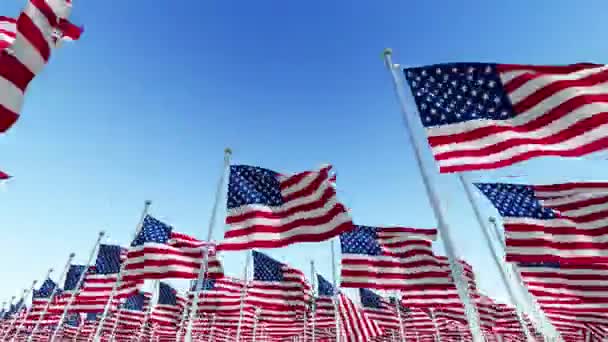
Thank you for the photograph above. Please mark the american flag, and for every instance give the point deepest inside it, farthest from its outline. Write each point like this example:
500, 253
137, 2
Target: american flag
158, 252
168, 309
41, 299
276, 285
486, 116
380, 310
100, 279
269, 210
29, 53
379, 259
130, 315
223, 294
8, 31
325, 316
560, 222
69, 287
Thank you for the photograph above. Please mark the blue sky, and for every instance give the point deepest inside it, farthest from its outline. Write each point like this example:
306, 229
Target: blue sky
143, 106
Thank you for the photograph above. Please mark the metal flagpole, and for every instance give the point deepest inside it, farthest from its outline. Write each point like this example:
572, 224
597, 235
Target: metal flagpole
437, 333
77, 288
212, 328
334, 274
3, 331
51, 297
205, 264
497, 259
182, 321
549, 330
399, 317
255, 321
442, 224
26, 293
115, 325
106, 310
313, 309
243, 294
588, 336
154, 298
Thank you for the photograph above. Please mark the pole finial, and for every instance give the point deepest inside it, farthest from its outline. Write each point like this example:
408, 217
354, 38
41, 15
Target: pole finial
72, 255
228, 151
492, 219
148, 202
387, 51
102, 233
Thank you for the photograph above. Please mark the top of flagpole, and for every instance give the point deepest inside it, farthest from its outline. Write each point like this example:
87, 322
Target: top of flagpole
228, 151
387, 51
492, 219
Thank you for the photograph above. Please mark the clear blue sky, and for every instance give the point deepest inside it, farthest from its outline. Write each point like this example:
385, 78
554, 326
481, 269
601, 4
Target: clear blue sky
142, 107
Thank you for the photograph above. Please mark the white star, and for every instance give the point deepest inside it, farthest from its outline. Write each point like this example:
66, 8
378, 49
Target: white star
485, 96
471, 70
491, 84
438, 71
455, 70
488, 69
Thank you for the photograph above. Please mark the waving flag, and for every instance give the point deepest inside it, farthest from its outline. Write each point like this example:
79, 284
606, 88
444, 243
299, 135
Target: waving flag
29, 53
100, 279
223, 294
276, 285
388, 260
269, 210
486, 116
380, 310
325, 317
4, 176
158, 252
560, 222
168, 310
40, 300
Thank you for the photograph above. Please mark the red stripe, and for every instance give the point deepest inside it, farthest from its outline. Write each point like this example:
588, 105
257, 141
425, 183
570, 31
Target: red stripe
14, 71
32, 33
7, 118
547, 69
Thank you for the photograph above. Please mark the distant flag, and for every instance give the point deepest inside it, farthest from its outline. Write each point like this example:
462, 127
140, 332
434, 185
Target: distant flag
8, 31
276, 285
379, 310
4, 176
168, 310
559, 222
26, 56
159, 252
41, 298
387, 259
223, 294
486, 116
270, 210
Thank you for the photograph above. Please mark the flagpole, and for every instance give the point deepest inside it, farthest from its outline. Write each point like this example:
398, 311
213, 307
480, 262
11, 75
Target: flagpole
398, 307
26, 293
433, 195
255, 322
588, 336
106, 309
212, 328
243, 294
155, 295
437, 333
77, 288
497, 260
180, 328
4, 314
51, 297
205, 265
116, 322
334, 274
548, 327
313, 312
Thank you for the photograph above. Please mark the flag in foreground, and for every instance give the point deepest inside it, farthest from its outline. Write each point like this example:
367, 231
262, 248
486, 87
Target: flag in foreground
269, 210
559, 222
486, 116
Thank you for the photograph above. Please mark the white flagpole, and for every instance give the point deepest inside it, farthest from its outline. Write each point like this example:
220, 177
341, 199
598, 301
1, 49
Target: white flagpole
549, 330
27, 309
212, 328
115, 288
77, 288
115, 325
155, 294
433, 194
205, 265
4, 313
255, 322
437, 333
399, 317
51, 297
182, 321
313, 312
588, 336
497, 259
243, 294
334, 275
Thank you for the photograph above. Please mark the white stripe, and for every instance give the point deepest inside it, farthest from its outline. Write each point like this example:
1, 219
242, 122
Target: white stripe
572, 199
509, 75
302, 184
555, 223
600, 188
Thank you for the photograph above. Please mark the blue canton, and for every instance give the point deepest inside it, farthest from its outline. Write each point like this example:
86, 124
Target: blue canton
108, 260
266, 268
73, 276
253, 185
369, 299
167, 295
325, 287
93, 316
458, 92
135, 302
73, 319
515, 200
360, 240
208, 284
15, 307
45, 290
152, 230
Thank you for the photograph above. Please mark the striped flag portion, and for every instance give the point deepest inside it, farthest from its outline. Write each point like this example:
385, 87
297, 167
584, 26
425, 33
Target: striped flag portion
269, 210
29, 53
8, 31
223, 294
559, 222
379, 310
486, 116
158, 252
4, 176
168, 309
356, 325
388, 260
